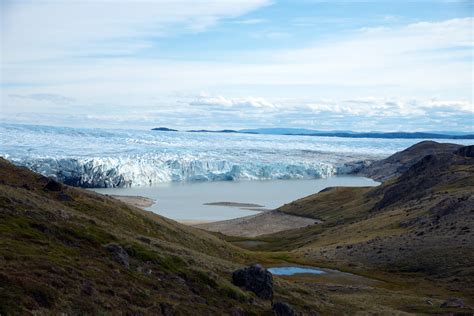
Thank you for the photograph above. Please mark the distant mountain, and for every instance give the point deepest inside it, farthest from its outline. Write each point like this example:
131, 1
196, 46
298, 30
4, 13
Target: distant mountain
164, 129
338, 133
450, 132
210, 131
280, 131
416, 135
351, 134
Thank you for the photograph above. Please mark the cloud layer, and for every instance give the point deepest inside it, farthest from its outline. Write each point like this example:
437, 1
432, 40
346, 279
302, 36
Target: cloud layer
105, 62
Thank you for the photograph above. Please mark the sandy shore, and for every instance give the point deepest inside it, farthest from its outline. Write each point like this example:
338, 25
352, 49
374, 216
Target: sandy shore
192, 222
265, 222
138, 201
259, 224
235, 204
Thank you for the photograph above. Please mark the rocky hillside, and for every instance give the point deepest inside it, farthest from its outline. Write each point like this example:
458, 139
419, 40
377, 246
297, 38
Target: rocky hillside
408, 244
400, 162
421, 222
67, 250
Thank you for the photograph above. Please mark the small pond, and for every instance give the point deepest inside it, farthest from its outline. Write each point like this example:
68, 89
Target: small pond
294, 270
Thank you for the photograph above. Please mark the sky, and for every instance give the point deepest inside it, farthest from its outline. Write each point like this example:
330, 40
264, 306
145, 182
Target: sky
326, 65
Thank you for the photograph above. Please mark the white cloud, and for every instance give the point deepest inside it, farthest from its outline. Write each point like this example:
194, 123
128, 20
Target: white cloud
218, 112
421, 52
369, 107
37, 30
251, 21
421, 70
419, 60
395, 107
233, 103
48, 97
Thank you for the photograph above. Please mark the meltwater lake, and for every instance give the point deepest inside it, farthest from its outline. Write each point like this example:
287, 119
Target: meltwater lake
186, 201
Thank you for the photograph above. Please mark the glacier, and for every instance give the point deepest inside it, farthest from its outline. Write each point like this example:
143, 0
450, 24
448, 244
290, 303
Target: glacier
138, 171
100, 158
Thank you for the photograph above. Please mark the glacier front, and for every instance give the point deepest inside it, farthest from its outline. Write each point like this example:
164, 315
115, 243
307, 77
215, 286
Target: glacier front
100, 158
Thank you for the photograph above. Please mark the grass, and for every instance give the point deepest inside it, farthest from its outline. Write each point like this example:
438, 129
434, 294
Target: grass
52, 256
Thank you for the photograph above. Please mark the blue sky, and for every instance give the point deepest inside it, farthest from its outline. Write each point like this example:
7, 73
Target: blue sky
360, 65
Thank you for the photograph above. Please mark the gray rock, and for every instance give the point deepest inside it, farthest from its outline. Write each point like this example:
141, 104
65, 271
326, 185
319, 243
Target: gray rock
453, 302
87, 288
237, 311
256, 279
119, 254
167, 309
283, 309
65, 197
53, 185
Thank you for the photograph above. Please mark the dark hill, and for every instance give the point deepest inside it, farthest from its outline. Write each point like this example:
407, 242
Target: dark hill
421, 222
400, 162
404, 135
68, 250
164, 129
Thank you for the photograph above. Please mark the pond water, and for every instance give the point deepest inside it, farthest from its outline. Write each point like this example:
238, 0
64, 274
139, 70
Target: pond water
294, 270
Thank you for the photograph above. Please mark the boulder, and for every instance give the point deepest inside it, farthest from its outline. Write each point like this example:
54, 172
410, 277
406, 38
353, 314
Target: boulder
65, 197
87, 288
52, 185
167, 309
119, 254
256, 279
453, 302
283, 309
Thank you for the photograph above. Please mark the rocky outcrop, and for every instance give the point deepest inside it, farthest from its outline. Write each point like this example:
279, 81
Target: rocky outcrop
423, 177
466, 151
283, 309
119, 254
453, 302
53, 185
400, 162
256, 279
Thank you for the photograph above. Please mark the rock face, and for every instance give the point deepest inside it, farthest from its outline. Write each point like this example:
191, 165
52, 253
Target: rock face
119, 254
256, 279
283, 309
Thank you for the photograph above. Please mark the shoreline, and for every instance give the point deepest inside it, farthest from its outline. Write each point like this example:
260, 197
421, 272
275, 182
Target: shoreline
134, 200
234, 204
230, 206
260, 224
193, 222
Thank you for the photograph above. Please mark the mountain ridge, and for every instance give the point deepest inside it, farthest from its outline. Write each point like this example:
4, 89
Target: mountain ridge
337, 133
421, 221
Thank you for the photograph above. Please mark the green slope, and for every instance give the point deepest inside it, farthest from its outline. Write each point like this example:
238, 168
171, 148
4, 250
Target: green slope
408, 241
419, 224
53, 255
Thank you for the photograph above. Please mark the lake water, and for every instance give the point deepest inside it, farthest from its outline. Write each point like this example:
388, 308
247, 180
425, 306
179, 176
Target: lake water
185, 201
294, 270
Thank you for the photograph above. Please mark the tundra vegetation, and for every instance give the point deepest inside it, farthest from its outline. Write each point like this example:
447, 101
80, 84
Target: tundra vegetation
405, 246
